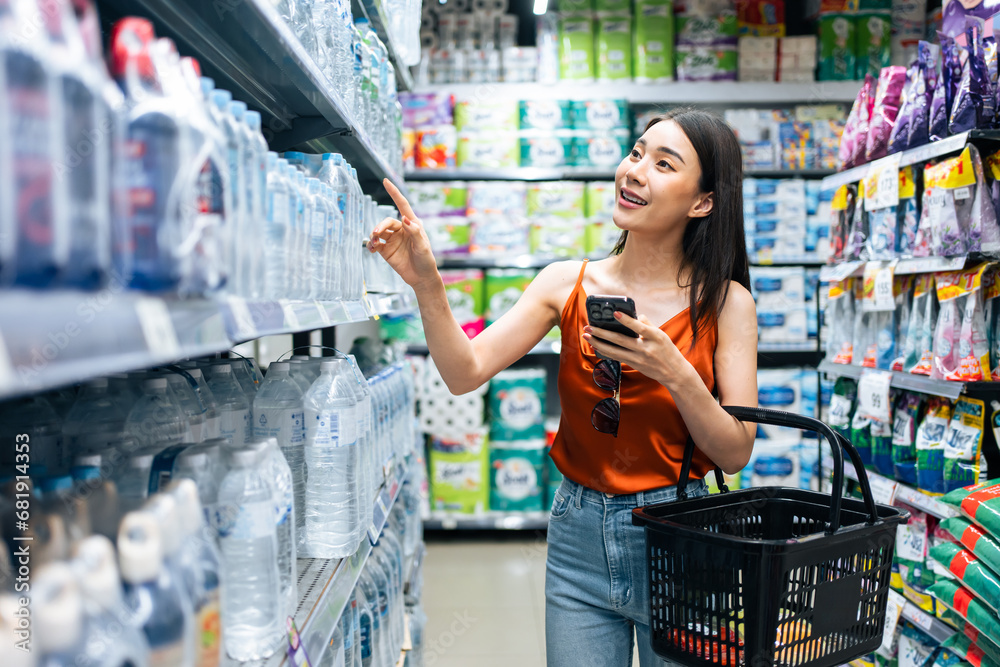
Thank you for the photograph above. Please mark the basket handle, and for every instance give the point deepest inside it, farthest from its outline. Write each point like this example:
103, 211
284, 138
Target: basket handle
838, 444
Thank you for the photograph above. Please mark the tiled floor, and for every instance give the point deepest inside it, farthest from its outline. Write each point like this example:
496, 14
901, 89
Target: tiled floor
484, 597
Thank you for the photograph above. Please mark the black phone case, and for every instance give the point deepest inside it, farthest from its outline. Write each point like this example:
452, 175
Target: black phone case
601, 309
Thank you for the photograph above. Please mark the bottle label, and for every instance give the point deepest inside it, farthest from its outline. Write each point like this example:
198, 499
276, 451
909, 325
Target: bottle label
366, 636
235, 425
277, 208
250, 521
284, 424
210, 632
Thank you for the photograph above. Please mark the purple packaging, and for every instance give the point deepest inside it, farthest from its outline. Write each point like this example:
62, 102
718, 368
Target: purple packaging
423, 109
968, 110
956, 13
928, 59
852, 141
886, 108
900, 136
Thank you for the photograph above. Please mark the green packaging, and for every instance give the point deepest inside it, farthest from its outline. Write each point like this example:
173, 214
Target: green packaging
985, 547
448, 235
517, 405
959, 599
430, 199
707, 63
517, 476
574, 6
969, 651
710, 30
978, 578
556, 236
576, 48
488, 150
614, 47
563, 199
547, 149
604, 150
613, 6
545, 114
837, 47
873, 40
459, 474
654, 42
599, 199
464, 289
600, 114
503, 288
495, 112
600, 238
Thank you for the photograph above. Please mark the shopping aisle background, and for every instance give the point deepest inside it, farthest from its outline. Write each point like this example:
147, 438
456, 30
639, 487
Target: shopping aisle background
484, 596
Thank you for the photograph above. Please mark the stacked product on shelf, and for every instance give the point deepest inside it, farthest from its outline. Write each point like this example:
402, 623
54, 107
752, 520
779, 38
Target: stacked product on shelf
779, 293
477, 46
200, 479
518, 449
854, 42
707, 33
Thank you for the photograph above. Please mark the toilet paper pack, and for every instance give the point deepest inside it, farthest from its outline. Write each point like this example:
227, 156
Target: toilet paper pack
557, 236
773, 463
576, 48
517, 475
450, 235
600, 198
614, 47
600, 114
551, 148
605, 149
498, 235
497, 197
654, 42
779, 389
517, 404
778, 288
464, 289
503, 289
459, 473
438, 199
496, 112
564, 199
788, 325
545, 114
600, 238
488, 149
706, 63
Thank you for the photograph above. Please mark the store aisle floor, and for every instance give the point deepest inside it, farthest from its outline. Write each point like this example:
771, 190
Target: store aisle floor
484, 596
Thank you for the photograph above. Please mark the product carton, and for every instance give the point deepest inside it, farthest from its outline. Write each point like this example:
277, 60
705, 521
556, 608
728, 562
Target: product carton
837, 50
546, 148
495, 112
600, 114
517, 476
601, 149
577, 60
654, 42
517, 404
459, 473
503, 289
498, 235
614, 47
545, 114
488, 150
559, 237
465, 292
438, 199
449, 235
706, 63
562, 199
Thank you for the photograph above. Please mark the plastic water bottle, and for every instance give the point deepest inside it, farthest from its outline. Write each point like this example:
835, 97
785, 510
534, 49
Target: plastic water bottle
95, 421
305, 214
163, 507
332, 526
194, 410
122, 393
277, 229
36, 417
278, 413
368, 475
280, 476
234, 410
251, 598
201, 465
57, 498
112, 640
295, 269
257, 170
155, 601
336, 175
316, 222
156, 419
248, 374
154, 161
356, 627
304, 369
245, 228
354, 241
132, 480
371, 615
57, 615
347, 632
379, 571
233, 167
199, 555
90, 482
212, 427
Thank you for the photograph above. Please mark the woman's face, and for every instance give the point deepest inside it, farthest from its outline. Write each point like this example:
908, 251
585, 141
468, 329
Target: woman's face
657, 184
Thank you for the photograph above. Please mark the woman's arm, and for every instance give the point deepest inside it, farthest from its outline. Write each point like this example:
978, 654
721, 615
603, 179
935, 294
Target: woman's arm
466, 364
723, 438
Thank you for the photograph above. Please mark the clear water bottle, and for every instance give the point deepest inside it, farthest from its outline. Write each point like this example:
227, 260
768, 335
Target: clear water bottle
372, 630
212, 427
356, 627
248, 374
347, 632
294, 268
251, 597
201, 465
90, 481
36, 417
155, 601
279, 475
279, 414
163, 507
200, 556
122, 392
111, 640
257, 169
95, 421
370, 476
336, 175
366, 625
234, 409
233, 167
155, 419
380, 572
277, 229
57, 615
354, 241
332, 526
57, 498
304, 269
318, 246
182, 390
305, 369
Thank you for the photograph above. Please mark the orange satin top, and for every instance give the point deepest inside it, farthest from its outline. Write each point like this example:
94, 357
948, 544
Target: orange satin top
649, 449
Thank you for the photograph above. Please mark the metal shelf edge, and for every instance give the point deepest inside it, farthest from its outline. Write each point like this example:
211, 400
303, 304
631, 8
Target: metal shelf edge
491, 521
901, 492
936, 628
900, 380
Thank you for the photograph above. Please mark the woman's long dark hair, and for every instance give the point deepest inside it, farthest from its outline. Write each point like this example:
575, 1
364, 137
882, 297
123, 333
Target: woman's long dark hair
714, 246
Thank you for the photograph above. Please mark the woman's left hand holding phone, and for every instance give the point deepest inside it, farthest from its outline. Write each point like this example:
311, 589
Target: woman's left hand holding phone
653, 353
403, 244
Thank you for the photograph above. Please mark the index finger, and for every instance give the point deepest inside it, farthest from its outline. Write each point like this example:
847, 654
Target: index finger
398, 199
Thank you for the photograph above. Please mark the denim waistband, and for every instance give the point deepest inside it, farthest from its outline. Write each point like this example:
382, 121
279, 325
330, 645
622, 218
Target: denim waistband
578, 493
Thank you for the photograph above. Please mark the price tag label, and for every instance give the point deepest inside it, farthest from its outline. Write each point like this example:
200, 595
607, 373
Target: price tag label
883, 490
245, 327
915, 615
885, 298
324, 317
873, 395
893, 610
291, 319
157, 327
882, 183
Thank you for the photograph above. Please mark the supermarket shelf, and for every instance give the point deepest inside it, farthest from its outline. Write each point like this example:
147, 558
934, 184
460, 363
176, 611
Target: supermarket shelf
488, 521
803, 346
789, 173
920, 154
934, 627
907, 266
375, 13
72, 336
571, 173
766, 259
544, 347
515, 262
326, 584
887, 491
680, 92
263, 64
900, 380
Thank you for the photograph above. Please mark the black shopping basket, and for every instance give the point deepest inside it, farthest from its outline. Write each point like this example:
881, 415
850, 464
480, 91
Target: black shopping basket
772, 575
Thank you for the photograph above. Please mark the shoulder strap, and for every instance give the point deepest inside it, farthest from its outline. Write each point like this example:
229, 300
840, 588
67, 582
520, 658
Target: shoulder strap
579, 280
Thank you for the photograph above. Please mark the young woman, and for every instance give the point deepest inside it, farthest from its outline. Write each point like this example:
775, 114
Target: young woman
625, 423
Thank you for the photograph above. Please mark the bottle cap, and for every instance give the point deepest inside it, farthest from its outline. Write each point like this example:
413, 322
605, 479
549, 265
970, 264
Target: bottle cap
154, 384
328, 366
57, 608
207, 85
185, 493
279, 367
164, 508
253, 120
56, 483
238, 108
97, 571
140, 555
130, 40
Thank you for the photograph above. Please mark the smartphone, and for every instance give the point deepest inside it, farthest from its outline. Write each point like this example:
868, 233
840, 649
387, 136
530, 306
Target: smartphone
601, 314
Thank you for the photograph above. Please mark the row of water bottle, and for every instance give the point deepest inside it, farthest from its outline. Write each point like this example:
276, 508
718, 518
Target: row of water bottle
356, 64
150, 177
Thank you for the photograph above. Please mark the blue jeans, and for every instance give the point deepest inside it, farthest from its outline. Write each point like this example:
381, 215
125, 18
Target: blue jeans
596, 577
